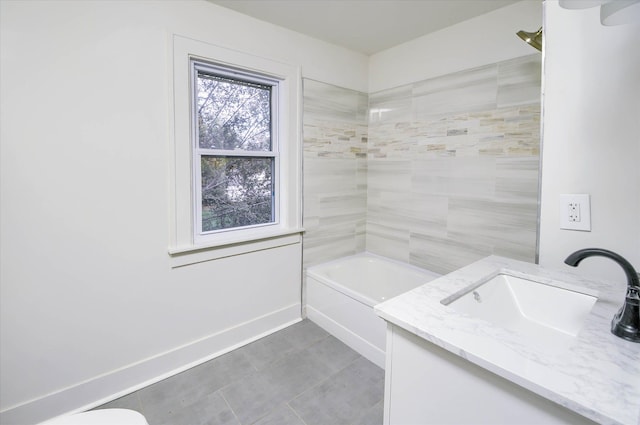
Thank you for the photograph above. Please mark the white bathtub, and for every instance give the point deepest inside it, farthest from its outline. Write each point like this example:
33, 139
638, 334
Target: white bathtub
340, 296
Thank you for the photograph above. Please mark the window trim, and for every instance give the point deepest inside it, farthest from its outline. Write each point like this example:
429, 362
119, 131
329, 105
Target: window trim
287, 230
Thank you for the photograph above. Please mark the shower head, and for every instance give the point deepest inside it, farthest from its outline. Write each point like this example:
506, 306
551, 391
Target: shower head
532, 38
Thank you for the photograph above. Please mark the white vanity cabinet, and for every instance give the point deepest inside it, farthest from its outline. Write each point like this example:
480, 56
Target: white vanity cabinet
448, 367
426, 384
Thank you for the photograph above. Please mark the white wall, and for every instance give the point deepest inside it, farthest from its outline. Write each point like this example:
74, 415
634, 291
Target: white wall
483, 40
90, 304
591, 138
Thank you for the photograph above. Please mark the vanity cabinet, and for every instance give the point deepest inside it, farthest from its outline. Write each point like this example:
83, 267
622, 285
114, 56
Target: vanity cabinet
426, 384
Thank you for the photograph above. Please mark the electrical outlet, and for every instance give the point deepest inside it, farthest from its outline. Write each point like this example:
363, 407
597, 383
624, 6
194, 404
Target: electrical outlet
575, 212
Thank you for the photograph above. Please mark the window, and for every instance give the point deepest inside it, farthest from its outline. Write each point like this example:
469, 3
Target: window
235, 149
235, 175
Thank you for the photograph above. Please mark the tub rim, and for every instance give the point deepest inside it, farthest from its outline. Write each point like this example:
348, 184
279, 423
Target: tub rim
355, 295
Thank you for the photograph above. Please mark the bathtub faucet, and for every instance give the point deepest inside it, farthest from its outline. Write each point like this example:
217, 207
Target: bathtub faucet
626, 323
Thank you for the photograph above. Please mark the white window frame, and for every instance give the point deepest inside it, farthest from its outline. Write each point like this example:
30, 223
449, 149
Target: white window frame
197, 65
186, 246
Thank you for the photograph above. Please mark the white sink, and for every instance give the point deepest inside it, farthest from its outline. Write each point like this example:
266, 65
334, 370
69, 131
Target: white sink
529, 307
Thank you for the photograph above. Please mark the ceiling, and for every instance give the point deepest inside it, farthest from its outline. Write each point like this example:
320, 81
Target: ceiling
366, 26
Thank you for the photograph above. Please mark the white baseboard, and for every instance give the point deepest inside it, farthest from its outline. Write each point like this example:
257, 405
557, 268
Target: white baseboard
356, 342
112, 385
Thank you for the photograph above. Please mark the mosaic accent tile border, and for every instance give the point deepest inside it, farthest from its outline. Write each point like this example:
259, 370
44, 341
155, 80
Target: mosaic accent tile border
510, 131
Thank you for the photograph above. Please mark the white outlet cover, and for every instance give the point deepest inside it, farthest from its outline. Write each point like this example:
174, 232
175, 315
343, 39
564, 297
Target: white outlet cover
584, 201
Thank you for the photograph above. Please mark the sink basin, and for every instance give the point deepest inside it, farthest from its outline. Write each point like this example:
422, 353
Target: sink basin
529, 307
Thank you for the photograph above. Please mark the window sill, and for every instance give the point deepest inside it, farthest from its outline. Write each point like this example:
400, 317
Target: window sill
184, 256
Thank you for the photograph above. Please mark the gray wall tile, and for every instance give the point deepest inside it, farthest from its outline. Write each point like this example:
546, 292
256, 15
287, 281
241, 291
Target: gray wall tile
444, 172
334, 172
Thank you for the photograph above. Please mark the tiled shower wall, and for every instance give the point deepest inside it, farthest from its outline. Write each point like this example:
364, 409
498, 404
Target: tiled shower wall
335, 172
453, 167
447, 175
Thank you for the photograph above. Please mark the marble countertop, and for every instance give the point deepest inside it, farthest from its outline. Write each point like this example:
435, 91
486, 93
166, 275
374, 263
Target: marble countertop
595, 374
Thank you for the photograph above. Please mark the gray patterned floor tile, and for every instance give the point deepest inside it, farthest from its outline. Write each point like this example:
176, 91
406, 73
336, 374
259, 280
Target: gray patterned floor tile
333, 352
253, 397
130, 401
271, 348
191, 386
283, 415
304, 333
209, 410
300, 375
372, 416
343, 397
265, 390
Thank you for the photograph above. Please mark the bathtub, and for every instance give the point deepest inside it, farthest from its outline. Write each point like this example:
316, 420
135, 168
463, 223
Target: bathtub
340, 296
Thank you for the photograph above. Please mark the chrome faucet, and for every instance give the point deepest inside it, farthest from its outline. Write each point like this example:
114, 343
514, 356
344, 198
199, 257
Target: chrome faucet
626, 323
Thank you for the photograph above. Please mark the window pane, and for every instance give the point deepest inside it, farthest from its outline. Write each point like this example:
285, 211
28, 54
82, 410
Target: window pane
236, 192
233, 114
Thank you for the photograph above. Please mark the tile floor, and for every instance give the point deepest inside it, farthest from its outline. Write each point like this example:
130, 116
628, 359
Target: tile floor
300, 375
